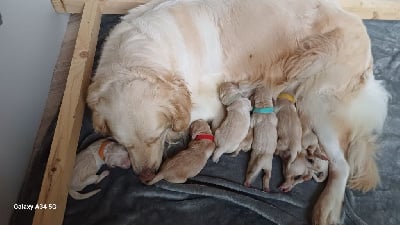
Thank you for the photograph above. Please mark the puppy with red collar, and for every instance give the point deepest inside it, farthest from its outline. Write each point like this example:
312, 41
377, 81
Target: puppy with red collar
89, 161
189, 162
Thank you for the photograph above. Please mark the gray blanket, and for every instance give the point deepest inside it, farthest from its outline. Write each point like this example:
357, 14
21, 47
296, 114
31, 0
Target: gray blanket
217, 195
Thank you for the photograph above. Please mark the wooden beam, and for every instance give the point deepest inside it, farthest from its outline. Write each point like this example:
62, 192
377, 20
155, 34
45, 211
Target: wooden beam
373, 9
58, 6
60, 163
366, 9
109, 6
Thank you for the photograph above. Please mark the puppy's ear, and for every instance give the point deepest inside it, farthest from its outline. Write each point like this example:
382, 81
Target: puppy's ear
319, 176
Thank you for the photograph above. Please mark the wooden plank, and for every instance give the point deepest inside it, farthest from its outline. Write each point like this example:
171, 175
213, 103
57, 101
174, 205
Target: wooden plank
59, 167
110, 6
366, 9
58, 6
373, 9
57, 87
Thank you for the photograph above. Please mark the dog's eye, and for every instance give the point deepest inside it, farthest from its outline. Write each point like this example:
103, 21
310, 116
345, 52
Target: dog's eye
310, 161
297, 177
319, 174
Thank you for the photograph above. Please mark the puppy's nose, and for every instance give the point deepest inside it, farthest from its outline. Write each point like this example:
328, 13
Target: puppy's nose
146, 175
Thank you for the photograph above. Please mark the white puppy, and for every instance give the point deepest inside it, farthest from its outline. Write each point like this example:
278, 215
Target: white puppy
303, 168
89, 161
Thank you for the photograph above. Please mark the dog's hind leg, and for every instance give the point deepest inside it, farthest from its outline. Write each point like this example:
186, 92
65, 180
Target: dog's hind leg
328, 207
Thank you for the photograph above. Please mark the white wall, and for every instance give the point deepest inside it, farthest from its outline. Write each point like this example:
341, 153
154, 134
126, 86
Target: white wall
30, 40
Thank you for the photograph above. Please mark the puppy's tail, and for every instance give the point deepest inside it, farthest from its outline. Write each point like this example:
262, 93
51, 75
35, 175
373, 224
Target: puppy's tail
157, 178
366, 116
78, 196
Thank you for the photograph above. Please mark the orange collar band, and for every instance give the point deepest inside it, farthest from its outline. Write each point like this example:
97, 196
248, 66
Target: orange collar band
288, 97
102, 147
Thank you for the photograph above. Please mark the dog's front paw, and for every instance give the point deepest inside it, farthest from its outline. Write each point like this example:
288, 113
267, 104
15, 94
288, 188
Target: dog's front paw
327, 209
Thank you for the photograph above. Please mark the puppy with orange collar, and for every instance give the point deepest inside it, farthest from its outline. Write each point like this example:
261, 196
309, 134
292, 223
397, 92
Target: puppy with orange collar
189, 162
89, 161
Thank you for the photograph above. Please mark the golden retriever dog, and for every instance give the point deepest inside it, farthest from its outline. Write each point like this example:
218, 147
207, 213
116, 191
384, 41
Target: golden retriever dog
160, 69
89, 161
264, 122
289, 125
233, 129
188, 163
303, 168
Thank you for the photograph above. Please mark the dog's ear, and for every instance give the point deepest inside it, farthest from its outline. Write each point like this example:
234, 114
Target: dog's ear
182, 106
94, 99
181, 116
100, 124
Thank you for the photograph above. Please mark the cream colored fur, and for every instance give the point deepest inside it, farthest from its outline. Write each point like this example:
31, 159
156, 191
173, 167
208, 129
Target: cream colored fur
264, 138
289, 127
233, 129
188, 163
303, 168
160, 69
88, 162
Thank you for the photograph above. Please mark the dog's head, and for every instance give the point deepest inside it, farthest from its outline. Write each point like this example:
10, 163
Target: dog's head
139, 111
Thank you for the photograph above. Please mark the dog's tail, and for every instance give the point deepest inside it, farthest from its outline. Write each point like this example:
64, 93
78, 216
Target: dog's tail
366, 116
364, 174
78, 196
157, 178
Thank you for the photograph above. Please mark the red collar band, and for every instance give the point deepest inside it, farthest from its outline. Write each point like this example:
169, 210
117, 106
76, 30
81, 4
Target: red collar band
204, 137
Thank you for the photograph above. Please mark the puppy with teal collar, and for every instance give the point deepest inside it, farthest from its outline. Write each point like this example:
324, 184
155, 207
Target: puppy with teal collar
264, 122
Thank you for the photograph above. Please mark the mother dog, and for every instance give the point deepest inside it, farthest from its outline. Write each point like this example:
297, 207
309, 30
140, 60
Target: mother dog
161, 67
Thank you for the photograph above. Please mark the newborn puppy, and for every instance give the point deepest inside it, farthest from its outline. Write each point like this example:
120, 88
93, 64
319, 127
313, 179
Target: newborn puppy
89, 161
303, 168
309, 139
228, 93
264, 122
289, 125
189, 162
233, 129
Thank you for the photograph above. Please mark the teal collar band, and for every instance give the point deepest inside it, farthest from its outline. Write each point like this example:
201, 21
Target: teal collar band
265, 110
